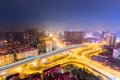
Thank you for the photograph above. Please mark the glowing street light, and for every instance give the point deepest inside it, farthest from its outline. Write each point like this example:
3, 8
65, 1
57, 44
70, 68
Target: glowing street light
34, 63
43, 60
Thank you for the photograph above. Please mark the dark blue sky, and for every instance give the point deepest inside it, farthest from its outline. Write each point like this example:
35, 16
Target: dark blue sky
67, 14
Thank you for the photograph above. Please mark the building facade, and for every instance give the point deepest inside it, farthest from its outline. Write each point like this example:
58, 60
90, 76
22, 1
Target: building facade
74, 36
111, 40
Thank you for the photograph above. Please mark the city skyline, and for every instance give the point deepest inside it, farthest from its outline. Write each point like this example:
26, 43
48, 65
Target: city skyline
61, 14
59, 39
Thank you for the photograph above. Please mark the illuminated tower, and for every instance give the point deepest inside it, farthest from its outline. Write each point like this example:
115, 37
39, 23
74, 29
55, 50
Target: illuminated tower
108, 41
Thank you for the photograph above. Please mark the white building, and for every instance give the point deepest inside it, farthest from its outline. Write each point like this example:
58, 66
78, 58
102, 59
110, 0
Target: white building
116, 53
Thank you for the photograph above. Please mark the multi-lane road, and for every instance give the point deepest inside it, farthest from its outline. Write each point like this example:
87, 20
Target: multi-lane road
80, 52
96, 65
5, 70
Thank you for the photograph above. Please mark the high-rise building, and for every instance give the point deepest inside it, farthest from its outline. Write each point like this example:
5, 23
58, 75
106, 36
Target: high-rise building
116, 53
108, 41
79, 35
67, 34
102, 34
106, 34
14, 36
2, 36
74, 36
111, 40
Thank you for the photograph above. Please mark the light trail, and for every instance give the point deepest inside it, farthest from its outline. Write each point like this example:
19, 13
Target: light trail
85, 60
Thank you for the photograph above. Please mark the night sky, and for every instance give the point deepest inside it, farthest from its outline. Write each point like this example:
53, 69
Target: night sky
64, 14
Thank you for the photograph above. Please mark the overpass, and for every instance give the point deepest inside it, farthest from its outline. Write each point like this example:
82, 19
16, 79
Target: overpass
28, 60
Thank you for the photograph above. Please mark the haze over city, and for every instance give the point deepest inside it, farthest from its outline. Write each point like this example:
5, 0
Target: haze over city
66, 14
59, 39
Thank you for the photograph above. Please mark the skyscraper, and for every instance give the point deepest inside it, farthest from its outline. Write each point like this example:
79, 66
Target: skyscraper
113, 39
116, 53
110, 40
74, 36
